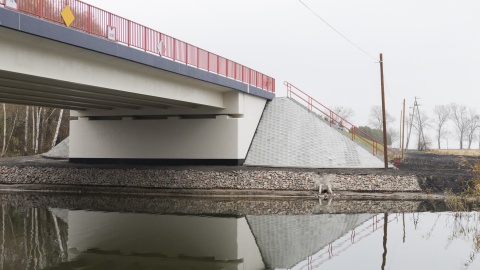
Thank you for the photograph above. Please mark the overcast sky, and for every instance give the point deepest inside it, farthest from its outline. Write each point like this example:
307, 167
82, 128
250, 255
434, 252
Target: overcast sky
430, 47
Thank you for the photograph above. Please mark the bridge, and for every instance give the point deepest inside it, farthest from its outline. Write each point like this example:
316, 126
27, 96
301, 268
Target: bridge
135, 94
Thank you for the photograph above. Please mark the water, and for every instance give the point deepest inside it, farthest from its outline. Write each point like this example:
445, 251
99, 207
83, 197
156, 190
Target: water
39, 232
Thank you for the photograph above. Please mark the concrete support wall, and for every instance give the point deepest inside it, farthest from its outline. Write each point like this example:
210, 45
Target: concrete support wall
170, 137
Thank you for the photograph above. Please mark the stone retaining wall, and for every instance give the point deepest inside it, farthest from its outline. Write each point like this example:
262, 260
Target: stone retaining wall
234, 178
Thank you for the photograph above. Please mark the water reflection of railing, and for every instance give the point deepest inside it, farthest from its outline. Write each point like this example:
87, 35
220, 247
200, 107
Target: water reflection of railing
337, 247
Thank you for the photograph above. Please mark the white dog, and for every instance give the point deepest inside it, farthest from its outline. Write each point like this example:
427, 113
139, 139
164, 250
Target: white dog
324, 182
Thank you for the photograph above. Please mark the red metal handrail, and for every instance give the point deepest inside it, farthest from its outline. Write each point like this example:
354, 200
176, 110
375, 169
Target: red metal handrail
335, 119
95, 21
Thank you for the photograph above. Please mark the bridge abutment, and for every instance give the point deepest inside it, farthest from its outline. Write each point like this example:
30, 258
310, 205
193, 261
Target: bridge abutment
214, 136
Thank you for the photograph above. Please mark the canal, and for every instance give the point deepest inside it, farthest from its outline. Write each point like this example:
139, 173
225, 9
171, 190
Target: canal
66, 231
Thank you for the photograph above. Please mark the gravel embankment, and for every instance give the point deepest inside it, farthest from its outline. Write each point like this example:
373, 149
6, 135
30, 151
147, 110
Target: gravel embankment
418, 172
235, 178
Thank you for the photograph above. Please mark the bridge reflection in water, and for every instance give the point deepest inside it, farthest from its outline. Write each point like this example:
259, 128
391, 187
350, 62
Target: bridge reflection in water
40, 238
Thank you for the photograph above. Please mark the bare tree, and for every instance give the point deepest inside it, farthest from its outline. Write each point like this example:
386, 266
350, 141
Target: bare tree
4, 144
376, 118
459, 117
25, 146
59, 122
342, 112
393, 133
13, 125
33, 127
442, 112
38, 116
473, 125
420, 123
345, 113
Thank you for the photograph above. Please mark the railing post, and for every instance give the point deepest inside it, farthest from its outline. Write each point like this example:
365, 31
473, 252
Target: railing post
144, 38
129, 32
208, 61
40, 8
235, 71
226, 68
174, 49
186, 53
89, 20
198, 57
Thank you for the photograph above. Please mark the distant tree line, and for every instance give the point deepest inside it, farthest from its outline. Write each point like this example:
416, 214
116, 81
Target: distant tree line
453, 119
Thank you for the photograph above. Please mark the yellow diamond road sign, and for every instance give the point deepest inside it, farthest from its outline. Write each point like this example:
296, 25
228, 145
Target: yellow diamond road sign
67, 16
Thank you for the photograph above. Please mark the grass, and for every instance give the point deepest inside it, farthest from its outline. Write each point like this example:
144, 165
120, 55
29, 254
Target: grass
471, 196
365, 143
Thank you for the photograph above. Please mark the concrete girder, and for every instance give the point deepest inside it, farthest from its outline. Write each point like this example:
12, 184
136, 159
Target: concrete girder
48, 88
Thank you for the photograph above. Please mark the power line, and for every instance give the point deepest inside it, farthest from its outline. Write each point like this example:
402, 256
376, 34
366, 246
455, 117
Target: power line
343, 36
389, 93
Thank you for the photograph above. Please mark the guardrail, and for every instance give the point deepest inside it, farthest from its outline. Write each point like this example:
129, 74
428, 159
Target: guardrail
336, 120
101, 23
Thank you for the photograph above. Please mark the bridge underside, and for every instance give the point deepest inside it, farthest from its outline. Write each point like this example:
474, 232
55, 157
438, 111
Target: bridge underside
126, 105
31, 90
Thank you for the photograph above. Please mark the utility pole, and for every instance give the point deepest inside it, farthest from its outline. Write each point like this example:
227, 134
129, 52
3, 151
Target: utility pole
421, 136
385, 237
403, 129
385, 147
411, 123
400, 131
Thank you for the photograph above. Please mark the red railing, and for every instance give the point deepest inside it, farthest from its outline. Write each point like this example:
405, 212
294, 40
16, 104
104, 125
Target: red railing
336, 120
96, 22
